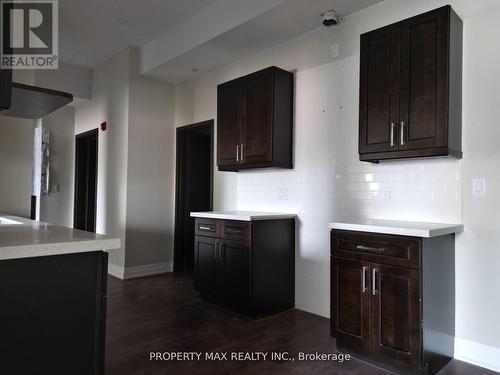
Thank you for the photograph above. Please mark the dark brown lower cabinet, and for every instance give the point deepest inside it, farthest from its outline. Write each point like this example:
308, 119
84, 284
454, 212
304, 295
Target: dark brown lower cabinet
53, 314
248, 266
393, 299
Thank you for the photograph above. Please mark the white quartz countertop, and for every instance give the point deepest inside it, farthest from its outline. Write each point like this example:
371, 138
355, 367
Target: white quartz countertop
242, 215
403, 228
29, 238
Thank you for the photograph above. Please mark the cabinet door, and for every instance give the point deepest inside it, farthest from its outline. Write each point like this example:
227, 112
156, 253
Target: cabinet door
229, 117
205, 255
235, 257
351, 303
395, 306
379, 96
257, 126
424, 81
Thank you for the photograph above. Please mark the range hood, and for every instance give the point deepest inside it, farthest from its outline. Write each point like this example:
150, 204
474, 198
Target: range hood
26, 101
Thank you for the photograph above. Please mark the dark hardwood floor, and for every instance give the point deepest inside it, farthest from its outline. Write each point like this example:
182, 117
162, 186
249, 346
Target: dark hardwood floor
163, 313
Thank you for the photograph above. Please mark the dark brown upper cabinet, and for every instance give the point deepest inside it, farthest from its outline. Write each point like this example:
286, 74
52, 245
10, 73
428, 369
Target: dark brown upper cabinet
255, 121
411, 88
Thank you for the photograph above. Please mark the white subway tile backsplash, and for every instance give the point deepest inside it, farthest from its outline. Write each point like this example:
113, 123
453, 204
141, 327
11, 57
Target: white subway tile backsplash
328, 180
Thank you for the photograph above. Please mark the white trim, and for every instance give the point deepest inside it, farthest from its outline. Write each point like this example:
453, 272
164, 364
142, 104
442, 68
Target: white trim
477, 354
148, 270
140, 271
115, 270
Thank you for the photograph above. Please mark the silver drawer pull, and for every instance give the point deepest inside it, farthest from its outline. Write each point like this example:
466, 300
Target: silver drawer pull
363, 280
402, 133
374, 281
393, 127
234, 231
368, 248
204, 228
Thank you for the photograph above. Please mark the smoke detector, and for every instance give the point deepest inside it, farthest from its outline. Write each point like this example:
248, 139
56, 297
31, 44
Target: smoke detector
330, 18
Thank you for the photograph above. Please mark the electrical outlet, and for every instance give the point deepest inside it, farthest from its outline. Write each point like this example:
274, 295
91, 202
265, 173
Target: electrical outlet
283, 194
334, 51
478, 187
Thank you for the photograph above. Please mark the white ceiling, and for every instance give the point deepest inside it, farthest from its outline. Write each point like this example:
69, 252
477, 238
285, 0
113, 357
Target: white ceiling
91, 31
283, 22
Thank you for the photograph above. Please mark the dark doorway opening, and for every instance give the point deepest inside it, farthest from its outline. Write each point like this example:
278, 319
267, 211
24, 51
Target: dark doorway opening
194, 186
85, 208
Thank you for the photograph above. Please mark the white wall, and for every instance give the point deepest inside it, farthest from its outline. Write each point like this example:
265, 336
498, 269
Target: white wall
16, 143
76, 80
16, 150
478, 248
110, 103
328, 180
57, 207
150, 176
135, 163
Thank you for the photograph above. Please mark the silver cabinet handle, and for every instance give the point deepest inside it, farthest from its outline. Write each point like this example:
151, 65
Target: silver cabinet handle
221, 251
242, 154
204, 228
374, 281
216, 251
369, 248
237, 152
364, 279
393, 127
402, 133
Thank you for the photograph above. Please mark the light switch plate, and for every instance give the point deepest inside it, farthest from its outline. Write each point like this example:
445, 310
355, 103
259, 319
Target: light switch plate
478, 187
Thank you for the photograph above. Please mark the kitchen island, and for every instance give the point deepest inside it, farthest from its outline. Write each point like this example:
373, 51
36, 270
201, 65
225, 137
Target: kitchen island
53, 298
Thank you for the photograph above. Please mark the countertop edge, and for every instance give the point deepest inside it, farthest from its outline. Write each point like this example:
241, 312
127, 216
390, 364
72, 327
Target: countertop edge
411, 232
58, 248
243, 217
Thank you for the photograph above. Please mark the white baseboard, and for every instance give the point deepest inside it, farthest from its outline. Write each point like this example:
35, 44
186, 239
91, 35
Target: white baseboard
477, 354
140, 271
115, 271
148, 270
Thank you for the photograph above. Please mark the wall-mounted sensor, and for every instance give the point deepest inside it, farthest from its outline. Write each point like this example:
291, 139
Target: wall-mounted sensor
330, 18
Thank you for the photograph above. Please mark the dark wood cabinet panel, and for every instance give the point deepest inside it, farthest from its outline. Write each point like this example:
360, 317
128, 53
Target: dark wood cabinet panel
424, 81
257, 125
236, 230
244, 268
379, 99
205, 264
390, 295
230, 115
255, 121
57, 306
395, 306
396, 250
236, 258
351, 302
410, 88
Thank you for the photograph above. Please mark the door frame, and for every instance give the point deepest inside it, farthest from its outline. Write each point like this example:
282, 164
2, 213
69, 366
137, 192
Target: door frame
181, 132
75, 189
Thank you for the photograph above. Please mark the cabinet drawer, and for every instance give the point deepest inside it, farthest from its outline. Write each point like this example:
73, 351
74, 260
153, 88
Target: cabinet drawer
207, 227
381, 248
236, 230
